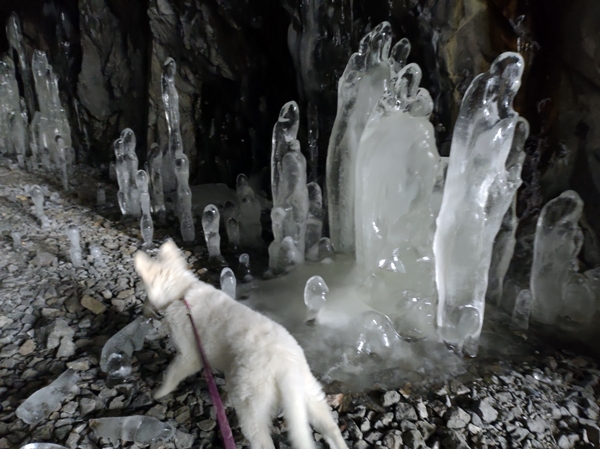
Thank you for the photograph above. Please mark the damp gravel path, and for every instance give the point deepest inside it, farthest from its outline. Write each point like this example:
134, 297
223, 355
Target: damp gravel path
54, 316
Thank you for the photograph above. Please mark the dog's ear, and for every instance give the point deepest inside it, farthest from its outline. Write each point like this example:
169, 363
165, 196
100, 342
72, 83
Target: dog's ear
170, 253
142, 264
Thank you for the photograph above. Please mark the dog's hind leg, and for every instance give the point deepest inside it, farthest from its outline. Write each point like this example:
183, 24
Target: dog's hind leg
255, 417
180, 368
320, 417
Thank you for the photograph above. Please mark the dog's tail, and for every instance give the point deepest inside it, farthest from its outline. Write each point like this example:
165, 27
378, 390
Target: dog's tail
293, 393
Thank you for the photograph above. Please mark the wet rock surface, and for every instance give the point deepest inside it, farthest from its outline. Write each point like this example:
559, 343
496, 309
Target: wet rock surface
54, 316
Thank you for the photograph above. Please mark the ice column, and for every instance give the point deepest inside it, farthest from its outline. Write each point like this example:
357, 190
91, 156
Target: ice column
37, 196
17, 244
184, 200
43, 402
558, 240
359, 89
75, 249
483, 175
233, 232
12, 127
314, 222
288, 182
210, 225
521, 312
315, 295
131, 163
155, 164
138, 428
15, 40
62, 161
146, 226
122, 177
250, 229
244, 273
228, 282
171, 103
118, 350
504, 247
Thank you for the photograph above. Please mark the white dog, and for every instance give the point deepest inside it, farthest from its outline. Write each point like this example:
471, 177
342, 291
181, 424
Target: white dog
264, 366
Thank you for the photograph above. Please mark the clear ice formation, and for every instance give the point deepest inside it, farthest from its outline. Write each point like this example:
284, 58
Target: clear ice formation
244, 272
210, 225
558, 240
43, 446
171, 103
314, 221
126, 167
502, 253
233, 232
484, 171
97, 256
288, 184
228, 282
184, 199
374, 335
61, 152
16, 238
359, 90
75, 249
155, 166
250, 228
52, 120
146, 225
138, 428
315, 295
37, 196
118, 350
46, 400
322, 251
13, 124
519, 323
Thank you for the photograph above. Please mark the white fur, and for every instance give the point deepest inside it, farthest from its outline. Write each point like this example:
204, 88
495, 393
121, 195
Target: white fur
265, 368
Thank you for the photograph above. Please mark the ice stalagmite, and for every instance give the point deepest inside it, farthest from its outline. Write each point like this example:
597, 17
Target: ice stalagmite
315, 295
75, 249
558, 240
37, 196
288, 171
250, 229
233, 232
314, 221
171, 103
146, 225
359, 89
504, 247
122, 177
46, 400
210, 225
118, 350
228, 282
521, 313
131, 165
483, 175
244, 272
15, 40
155, 165
184, 199
138, 428
396, 170
62, 162
12, 127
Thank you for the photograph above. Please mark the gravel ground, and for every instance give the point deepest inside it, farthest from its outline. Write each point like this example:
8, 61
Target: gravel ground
54, 316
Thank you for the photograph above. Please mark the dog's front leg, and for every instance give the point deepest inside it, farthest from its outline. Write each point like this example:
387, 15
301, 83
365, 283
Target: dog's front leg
180, 368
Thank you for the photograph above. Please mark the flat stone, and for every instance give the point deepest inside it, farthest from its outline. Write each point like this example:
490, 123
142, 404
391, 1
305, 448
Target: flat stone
392, 440
93, 305
413, 439
390, 398
405, 411
537, 425
207, 425
486, 411
27, 348
457, 418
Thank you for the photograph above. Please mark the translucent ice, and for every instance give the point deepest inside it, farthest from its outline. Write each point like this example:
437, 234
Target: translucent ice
314, 222
62, 161
233, 232
96, 253
521, 312
117, 351
558, 240
43, 402
156, 162
16, 238
138, 428
131, 164
244, 272
375, 334
12, 127
210, 225
504, 247
15, 40
184, 199
122, 177
37, 196
146, 225
359, 89
171, 103
75, 249
483, 175
43, 446
228, 282
315, 295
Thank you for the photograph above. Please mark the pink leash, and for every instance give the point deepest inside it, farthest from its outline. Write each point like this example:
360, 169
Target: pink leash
212, 388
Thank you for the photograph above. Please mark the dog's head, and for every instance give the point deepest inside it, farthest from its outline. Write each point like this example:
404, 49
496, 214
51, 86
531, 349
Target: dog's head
166, 278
